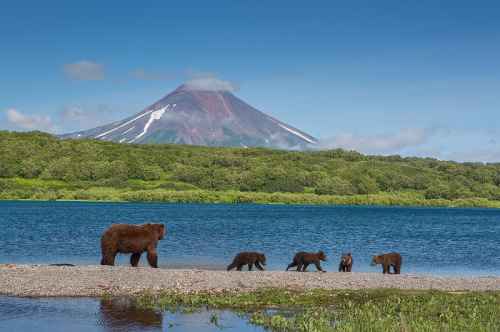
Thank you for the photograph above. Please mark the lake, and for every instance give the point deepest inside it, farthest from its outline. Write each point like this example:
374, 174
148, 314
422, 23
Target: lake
431, 240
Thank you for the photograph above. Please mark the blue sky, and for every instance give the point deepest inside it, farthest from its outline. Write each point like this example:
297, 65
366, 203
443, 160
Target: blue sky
382, 77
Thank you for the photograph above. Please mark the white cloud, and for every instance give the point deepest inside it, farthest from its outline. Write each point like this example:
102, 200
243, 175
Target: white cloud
379, 144
210, 83
29, 122
68, 119
78, 117
84, 70
72, 113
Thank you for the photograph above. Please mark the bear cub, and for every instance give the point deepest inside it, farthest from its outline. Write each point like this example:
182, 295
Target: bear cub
345, 263
303, 259
387, 260
248, 258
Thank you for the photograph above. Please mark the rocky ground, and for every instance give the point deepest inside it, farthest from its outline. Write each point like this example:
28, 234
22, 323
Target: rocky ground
45, 281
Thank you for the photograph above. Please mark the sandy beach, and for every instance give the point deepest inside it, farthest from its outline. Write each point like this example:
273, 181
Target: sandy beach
53, 281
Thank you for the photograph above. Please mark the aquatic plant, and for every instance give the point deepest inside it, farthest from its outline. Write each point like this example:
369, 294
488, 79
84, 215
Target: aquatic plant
347, 310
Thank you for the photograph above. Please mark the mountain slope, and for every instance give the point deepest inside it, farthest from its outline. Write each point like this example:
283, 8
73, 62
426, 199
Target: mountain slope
201, 117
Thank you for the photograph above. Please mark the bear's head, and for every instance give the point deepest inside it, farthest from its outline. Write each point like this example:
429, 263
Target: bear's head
161, 231
378, 259
262, 259
321, 255
158, 229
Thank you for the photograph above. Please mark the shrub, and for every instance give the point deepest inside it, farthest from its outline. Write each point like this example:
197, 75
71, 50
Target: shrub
334, 186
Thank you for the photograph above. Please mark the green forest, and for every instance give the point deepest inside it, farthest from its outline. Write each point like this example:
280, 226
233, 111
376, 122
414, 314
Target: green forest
36, 165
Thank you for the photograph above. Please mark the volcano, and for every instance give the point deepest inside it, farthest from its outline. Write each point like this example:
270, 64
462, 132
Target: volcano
201, 117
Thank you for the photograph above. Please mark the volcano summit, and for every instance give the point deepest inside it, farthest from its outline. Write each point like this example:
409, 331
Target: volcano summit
201, 117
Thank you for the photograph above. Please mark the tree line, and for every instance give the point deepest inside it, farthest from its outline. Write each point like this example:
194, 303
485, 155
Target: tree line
46, 161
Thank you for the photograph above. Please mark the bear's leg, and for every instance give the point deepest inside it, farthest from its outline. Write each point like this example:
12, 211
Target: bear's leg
385, 268
318, 267
108, 258
239, 267
397, 269
134, 259
260, 267
152, 257
250, 267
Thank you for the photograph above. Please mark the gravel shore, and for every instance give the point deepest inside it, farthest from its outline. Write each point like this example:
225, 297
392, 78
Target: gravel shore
49, 281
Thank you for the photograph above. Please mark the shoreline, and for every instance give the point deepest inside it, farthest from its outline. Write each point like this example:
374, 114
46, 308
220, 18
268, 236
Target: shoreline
459, 204
97, 281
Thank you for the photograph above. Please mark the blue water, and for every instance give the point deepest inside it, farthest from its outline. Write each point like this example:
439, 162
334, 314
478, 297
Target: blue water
431, 240
93, 315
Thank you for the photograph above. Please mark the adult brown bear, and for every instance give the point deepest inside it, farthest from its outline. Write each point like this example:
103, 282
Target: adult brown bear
131, 239
387, 260
248, 258
302, 260
346, 263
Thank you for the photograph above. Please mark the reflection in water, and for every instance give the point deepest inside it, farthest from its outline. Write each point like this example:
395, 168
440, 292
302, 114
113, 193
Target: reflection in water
116, 314
202, 321
122, 314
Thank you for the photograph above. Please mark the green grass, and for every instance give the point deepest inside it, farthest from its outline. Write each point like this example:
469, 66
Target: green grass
366, 310
35, 189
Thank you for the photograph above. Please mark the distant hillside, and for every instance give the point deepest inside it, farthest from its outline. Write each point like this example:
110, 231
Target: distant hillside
36, 165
